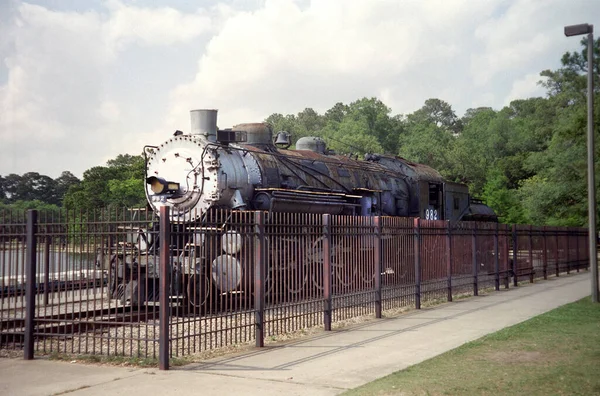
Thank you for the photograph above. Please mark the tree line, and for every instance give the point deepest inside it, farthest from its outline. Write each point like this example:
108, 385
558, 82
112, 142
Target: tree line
118, 184
527, 160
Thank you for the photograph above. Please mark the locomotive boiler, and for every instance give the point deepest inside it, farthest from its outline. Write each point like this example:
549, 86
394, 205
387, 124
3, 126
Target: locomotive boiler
243, 168
211, 178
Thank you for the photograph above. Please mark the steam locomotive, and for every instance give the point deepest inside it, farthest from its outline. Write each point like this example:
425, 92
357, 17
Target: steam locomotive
246, 168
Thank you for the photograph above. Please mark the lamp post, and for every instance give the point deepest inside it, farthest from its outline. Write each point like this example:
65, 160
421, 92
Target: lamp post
576, 30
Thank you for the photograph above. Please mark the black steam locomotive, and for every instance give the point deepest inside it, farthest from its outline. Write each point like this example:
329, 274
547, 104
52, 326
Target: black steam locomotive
246, 168
243, 168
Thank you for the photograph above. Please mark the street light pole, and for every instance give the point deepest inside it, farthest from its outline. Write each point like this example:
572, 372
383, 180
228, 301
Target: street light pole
576, 30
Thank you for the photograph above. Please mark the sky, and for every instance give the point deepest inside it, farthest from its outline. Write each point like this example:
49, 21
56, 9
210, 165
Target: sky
84, 81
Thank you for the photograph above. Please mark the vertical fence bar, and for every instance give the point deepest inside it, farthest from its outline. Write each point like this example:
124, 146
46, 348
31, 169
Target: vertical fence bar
515, 250
474, 258
496, 259
449, 259
567, 237
30, 281
506, 257
545, 253
327, 286
378, 269
259, 276
417, 245
557, 269
576, 234
532, 269
165, 282
46, 270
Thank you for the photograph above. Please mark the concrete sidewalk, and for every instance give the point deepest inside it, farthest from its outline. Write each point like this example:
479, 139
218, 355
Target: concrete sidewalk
327, 364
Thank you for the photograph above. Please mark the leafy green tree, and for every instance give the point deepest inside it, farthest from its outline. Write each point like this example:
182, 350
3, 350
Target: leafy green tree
2, 189
557, 193
430, 136
64, 182
121, 183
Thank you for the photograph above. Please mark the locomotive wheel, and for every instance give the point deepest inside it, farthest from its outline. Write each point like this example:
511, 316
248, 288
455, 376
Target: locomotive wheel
366, 276
289, 275
198, 290
343, 272
315, 261
296, 280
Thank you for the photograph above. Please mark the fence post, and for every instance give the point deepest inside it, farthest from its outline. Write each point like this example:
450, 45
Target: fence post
532, 270
515, 266
545, 254
165, 287
30, 282
496, 259
47, 269
259, 277
378, 269
417, 247
474, 257
449, 258
327, 286
567, 237
506, 257
587, 248
557, 265
576, 235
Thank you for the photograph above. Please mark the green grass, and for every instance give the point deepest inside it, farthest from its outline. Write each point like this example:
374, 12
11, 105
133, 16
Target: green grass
557, 353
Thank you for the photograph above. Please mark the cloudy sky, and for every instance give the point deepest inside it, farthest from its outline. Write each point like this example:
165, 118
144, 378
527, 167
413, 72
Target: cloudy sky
84, 81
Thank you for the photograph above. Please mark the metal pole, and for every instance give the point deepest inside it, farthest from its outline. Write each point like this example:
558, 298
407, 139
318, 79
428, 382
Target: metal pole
259, 276
378, 268
165, 282
30, 279
47, 270
417, 250
327, 286
591, 175
474, 260
449, 259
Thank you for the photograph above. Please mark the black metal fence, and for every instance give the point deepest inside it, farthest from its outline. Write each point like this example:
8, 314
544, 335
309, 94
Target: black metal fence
128, 283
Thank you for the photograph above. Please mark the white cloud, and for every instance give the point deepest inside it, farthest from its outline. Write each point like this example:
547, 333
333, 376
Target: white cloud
525, 36
282, 58
75, 94
525, 87
152, 26
57, 109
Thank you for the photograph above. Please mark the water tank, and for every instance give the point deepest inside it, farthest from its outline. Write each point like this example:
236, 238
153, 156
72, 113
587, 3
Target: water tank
311, 143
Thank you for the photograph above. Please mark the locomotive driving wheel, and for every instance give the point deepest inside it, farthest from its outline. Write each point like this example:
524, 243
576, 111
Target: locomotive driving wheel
287, 260
197, 291
342, 271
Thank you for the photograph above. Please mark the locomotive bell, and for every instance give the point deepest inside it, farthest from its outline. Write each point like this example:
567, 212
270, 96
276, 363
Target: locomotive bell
283, 139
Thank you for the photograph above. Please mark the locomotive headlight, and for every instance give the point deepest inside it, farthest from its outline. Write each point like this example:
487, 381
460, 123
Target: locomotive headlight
231, 242
161, 186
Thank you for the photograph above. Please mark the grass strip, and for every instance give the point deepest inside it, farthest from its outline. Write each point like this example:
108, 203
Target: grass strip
557, 353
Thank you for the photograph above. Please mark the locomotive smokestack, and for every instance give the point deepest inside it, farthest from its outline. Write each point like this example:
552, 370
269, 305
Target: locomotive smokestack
204, 122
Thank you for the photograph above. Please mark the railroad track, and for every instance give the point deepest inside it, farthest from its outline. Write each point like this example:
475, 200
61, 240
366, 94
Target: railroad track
66, 324
53, 286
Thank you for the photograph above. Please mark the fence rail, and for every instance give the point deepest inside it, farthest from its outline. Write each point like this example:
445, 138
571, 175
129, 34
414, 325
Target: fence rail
128, 283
